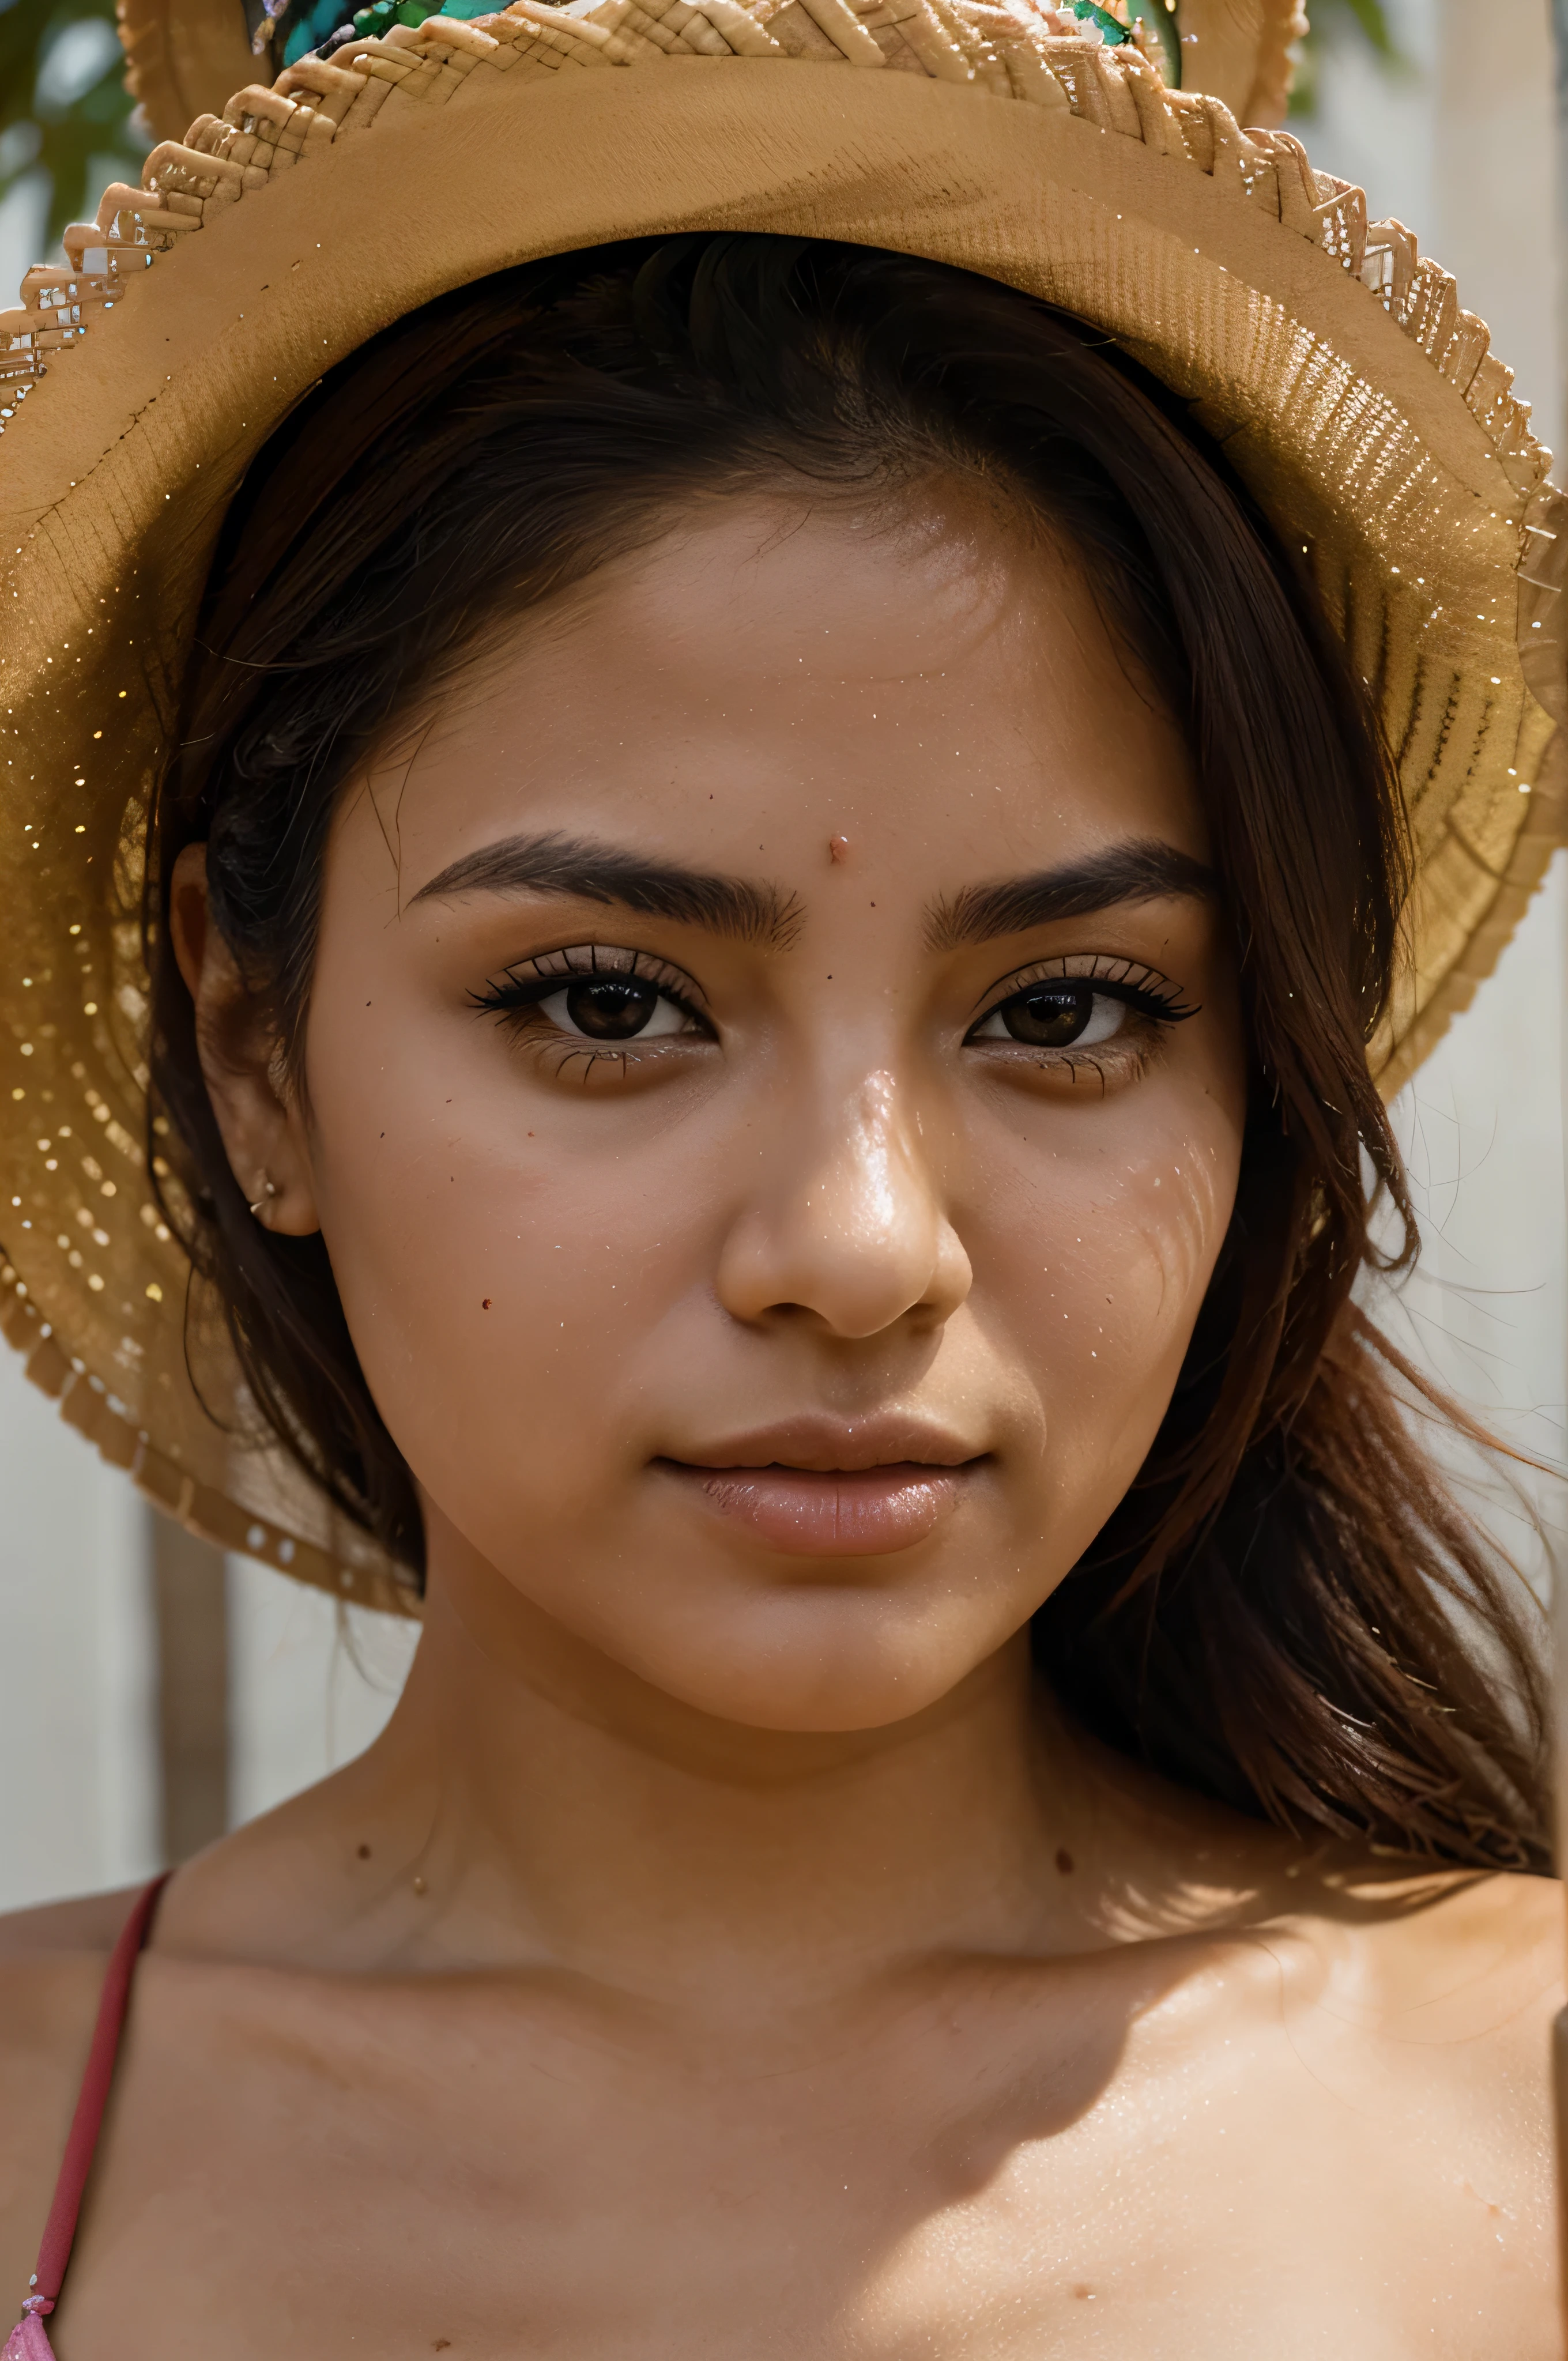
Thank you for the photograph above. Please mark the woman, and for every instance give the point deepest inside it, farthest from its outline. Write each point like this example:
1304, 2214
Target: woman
768, 866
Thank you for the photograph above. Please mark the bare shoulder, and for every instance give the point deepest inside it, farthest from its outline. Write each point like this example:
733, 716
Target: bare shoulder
51, 1970
1457, 1956
1439, 1991
89, 1924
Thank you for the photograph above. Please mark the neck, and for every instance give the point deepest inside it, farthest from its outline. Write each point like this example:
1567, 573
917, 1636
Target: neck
551, 1805
534, 1803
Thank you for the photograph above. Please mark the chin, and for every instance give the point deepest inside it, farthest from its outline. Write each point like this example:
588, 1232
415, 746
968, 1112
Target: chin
824, 1665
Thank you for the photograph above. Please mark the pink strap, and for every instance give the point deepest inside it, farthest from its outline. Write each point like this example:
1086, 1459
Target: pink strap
59, 2229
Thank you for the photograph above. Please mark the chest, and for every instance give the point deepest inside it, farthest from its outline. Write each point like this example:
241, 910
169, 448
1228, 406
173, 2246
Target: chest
511, 2182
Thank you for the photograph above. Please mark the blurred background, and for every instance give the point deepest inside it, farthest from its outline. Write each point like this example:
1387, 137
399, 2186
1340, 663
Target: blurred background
156, 1694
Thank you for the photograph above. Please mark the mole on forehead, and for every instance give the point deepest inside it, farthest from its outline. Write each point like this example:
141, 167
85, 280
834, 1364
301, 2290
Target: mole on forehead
1137, 870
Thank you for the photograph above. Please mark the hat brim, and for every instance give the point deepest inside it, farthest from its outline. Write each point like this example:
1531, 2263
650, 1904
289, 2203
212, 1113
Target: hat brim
1411, 499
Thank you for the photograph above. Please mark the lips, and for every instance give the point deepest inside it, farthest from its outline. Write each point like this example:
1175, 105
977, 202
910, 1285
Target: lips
829, 1488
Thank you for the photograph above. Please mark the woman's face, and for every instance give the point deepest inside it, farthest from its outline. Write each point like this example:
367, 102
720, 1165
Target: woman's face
775, 1096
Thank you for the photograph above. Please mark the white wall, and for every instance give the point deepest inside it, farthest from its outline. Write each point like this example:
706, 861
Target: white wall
1486, 1311
311, 1683
78, 1778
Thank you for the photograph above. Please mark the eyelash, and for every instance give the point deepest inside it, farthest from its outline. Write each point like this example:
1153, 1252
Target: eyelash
518, 992
1152, 1002
1142, 988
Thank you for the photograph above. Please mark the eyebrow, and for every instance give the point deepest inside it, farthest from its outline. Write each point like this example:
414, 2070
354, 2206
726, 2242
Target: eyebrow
1142, 869
604, 872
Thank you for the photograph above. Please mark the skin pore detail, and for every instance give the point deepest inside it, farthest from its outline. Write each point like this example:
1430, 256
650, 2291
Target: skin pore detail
823, 1183
774, 1268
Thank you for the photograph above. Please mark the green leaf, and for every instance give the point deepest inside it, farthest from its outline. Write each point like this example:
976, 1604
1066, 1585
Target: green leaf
1369, 17
91, 130
1161, 21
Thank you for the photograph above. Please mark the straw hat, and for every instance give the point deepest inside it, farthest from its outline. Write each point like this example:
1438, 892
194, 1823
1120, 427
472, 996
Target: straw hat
1362, 404
184, 57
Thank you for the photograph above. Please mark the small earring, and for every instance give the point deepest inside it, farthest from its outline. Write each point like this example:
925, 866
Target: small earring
269, 1189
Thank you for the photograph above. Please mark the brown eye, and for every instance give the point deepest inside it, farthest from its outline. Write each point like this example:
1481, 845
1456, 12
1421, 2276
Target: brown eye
614, 1008
1055, 1016
1049, 1019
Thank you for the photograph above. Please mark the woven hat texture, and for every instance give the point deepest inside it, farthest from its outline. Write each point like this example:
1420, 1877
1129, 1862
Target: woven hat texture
184, 57
1362, 404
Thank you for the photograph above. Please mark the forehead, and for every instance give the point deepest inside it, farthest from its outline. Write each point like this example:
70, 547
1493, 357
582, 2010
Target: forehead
937, 687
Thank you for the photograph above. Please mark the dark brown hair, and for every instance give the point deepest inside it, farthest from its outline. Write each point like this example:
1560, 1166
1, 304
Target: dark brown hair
1273, 1615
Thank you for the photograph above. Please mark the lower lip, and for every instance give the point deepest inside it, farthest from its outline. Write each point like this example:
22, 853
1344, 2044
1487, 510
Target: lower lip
868, 1514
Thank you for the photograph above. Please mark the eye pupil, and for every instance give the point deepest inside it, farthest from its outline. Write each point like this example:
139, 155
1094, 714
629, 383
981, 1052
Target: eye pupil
612, 1008
1049, 1016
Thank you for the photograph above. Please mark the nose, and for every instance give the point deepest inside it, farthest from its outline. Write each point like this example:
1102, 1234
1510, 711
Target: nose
857, 1233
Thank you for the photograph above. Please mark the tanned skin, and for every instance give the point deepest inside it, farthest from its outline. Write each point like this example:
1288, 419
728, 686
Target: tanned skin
727, 1952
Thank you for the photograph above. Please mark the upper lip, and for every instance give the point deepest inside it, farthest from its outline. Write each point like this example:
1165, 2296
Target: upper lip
827, 1446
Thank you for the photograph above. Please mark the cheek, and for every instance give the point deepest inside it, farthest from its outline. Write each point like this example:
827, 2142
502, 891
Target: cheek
504, 1291
1100, 1284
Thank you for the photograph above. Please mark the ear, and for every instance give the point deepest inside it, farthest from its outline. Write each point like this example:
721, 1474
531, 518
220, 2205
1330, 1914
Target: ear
261, 1119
